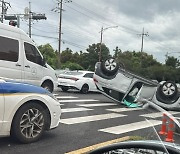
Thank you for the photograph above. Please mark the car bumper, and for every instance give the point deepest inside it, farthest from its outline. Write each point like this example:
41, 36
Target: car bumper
55, 111
71, 85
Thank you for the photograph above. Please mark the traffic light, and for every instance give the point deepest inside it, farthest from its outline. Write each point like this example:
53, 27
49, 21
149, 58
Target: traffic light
12, 23
10, 17
39, 16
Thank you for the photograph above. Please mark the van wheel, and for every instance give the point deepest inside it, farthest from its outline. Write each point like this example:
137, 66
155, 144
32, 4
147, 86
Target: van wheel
48, 86
29, 123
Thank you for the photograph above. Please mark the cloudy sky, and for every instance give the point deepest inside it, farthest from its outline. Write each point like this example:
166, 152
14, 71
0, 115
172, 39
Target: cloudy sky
83, 19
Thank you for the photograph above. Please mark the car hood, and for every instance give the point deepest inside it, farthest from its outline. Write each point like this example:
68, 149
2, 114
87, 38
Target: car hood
15, 87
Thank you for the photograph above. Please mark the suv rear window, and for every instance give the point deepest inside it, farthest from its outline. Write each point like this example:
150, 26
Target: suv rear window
9, 49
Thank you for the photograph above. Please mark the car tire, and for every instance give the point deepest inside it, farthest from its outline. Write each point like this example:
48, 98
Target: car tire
168, 89
48, 86
29, 123
164, 95
85, 89
109, 67
64, 88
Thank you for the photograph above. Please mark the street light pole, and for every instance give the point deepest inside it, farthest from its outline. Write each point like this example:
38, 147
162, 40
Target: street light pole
100, 48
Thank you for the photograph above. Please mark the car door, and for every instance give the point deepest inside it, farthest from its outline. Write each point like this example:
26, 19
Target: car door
33, 65
90, 82
1, 106
10, 58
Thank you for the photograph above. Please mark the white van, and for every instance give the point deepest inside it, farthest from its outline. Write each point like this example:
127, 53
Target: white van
20, 59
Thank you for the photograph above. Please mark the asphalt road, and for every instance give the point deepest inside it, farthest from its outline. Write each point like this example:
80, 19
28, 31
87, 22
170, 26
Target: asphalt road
89, 119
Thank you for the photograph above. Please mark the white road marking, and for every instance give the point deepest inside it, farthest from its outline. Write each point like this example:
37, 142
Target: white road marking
123, 109
78, 100
157, 114
77, 120
65, 97
75, 109
55, 94
94, 105
130, 127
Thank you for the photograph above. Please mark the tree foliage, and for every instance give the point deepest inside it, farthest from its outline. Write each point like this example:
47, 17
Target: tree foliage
139, 63
49, 55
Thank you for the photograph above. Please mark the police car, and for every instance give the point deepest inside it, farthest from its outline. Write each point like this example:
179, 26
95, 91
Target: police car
26, 111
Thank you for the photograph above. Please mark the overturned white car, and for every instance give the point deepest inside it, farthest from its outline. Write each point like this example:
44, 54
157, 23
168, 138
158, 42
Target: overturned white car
122, 86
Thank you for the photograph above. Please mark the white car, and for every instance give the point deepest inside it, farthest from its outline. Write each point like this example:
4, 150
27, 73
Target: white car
122, 86
26, 111
80, 80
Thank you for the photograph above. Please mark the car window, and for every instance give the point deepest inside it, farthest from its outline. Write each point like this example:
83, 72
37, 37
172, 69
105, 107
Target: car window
88, 75
9, 49
32, 54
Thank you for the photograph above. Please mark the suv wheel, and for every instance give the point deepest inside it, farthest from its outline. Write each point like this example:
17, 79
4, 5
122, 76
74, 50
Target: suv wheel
109, 66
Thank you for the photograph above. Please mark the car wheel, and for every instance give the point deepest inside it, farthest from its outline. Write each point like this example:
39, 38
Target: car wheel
109, 66
48, 86
29, 123
85, 89
168, 89
64, 88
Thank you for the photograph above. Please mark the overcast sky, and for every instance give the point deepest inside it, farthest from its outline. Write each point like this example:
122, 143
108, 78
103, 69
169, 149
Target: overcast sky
83, 19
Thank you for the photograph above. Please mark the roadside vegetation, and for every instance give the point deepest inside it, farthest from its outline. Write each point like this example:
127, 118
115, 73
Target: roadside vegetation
137, 62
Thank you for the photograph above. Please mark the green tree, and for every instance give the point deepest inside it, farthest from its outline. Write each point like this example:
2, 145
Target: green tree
66, 55
92, 56
172, 61
71, 66
49, 54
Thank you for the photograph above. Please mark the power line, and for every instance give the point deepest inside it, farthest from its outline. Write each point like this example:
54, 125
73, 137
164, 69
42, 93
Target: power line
125, 28
59, 10
88, 16
63, 41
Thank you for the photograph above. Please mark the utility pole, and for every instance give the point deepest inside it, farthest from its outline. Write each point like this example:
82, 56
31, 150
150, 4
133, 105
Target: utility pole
30, 14
59, 9
60, 23
142, 41
4, 9
100, 48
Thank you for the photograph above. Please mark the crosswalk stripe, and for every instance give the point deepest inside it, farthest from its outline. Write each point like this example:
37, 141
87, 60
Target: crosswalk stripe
130, 127
75, 109
157, 114
123, 109
65, 97
94, 105
55, 94
77, 120
78, 100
